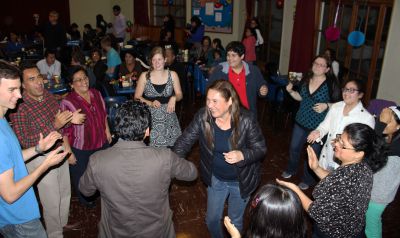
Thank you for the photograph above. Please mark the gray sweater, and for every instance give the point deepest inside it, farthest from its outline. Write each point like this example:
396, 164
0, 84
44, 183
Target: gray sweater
386, 181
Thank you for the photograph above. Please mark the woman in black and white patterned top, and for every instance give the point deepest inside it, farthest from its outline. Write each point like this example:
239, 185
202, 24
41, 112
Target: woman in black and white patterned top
341, 197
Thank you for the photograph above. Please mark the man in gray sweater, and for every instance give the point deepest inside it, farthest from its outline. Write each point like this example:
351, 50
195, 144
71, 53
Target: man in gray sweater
133, 179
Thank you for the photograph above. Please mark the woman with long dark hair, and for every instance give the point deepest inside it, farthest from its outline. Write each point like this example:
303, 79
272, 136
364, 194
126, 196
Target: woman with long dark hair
232, 147
386, 180
317, 91
341, 197
275, 212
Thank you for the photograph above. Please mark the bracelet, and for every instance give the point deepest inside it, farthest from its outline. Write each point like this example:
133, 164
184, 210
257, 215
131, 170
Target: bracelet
38, 150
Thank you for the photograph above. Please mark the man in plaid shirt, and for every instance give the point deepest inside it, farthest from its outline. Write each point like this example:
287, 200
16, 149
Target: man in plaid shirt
40, 112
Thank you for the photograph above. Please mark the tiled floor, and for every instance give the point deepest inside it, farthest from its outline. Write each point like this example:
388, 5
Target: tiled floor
188, 200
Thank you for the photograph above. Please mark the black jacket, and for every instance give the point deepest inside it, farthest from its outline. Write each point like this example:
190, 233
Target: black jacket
251, 143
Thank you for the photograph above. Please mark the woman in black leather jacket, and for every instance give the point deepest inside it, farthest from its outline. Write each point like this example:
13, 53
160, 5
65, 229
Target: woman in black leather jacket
232, 147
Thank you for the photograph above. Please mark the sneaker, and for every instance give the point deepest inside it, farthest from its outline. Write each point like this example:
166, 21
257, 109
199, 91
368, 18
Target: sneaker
303, 186
286, 175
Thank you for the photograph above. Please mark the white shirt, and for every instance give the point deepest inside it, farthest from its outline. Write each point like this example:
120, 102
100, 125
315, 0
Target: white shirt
50, 71
334, 123
119, 26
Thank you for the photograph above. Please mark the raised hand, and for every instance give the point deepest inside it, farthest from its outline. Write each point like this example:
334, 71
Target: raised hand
78, 117
312, 158
62, 118
313, 136
47, 142
55, 157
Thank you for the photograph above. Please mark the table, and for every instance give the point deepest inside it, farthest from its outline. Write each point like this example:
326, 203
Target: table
124, 90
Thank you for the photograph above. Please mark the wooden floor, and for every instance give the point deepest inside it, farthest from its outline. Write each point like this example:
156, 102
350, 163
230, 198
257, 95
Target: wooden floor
188, 200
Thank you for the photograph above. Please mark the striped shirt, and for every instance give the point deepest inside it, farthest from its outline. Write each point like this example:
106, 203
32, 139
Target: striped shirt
90, 135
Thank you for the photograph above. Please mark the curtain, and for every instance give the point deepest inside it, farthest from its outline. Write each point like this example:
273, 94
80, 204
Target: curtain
302, 48
141, 15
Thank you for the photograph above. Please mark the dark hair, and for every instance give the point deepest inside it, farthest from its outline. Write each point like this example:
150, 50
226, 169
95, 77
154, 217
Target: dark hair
130, 52
219, 43
332, 54
131, 120
252, 31
74, 25
256, 21
48, 52
8, 71
359, 84
96, 50
237, 47
26, 65
333, 83
227, 91
276, 212
78, 56
197, 20
75, 70
363, 138
206, 38
88, 26
116, 8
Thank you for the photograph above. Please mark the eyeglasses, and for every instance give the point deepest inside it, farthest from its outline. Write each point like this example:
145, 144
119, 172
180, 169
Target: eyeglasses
80, 80
349, 90
319, 65
339, 140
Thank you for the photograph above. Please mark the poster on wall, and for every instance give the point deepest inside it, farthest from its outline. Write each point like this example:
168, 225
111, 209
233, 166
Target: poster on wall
216, 15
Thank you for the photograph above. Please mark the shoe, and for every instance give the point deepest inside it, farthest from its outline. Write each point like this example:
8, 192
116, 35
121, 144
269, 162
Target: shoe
72, 226
303, 186
286, 175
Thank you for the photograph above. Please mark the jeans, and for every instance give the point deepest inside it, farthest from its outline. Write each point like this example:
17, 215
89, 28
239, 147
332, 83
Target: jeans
299, 138
373, 227
28, 229
217, 193
77, 170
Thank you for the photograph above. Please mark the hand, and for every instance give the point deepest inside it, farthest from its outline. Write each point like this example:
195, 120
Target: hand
55, 157
156, 104
386, 115
263, 90
313, 136
108, 136
289, 87
233, 156
312, 158
171, 105
78, 117
49, 140
232, 230
289, 185
72, 159
320, 107
62, 118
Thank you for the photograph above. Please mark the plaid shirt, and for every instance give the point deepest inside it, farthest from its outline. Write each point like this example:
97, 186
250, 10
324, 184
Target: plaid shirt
33, 117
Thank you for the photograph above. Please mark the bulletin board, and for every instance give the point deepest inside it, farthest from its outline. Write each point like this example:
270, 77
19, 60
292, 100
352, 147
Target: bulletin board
216, 15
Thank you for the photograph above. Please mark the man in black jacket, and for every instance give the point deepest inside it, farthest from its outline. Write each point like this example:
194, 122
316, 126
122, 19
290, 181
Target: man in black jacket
232, 147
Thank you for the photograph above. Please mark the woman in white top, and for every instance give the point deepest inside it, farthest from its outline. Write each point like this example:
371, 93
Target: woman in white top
341, 114
256, 26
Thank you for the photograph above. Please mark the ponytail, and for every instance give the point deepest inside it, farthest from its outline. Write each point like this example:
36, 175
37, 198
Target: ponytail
363, 138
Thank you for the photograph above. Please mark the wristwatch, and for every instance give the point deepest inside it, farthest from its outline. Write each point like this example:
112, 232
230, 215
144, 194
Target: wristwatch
38, 150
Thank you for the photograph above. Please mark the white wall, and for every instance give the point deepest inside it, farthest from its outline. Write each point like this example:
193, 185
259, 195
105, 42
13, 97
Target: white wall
389, 86
239, 20
83, 12
286, 39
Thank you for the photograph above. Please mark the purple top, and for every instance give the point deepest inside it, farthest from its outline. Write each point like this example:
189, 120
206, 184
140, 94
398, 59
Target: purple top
91, 135
198, 35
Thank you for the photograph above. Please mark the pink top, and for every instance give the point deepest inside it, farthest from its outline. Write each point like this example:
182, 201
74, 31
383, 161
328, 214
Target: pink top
250, 46
91, 135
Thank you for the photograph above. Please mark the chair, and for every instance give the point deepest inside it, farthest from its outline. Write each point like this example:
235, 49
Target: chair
112, 103
377, 105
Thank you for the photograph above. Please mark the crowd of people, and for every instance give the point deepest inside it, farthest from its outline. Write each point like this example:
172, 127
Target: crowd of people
54, 144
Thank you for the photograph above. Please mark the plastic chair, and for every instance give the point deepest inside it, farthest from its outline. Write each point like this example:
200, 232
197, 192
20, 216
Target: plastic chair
377, 105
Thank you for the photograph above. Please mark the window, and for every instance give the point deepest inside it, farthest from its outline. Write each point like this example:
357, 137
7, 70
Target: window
160, 8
